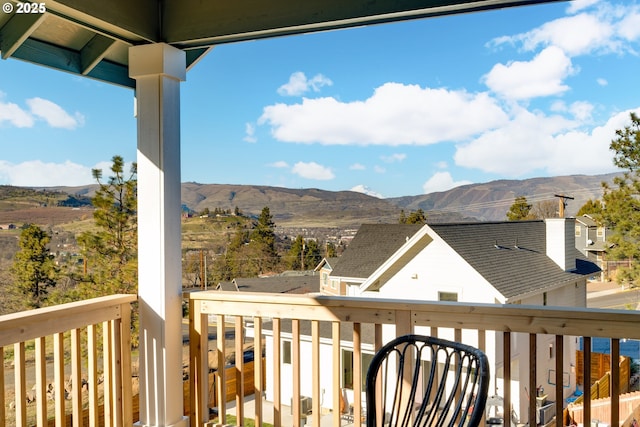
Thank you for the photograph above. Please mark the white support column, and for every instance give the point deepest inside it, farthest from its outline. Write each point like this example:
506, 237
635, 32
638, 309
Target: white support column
158, 70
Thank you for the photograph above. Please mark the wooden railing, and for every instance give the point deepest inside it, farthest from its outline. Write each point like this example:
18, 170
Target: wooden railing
301, 318
58, 350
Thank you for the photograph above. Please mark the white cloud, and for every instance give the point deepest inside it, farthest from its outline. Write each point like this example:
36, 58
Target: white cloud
441, 181
394, 158
298, 84
602, 82
379, 169
357, 167
394, 115
578, 5
312, 170
366, 190
629, 26
279, 164
37, 173
581, 110
604, 29
250, 130
442, 164
543, 144
53, 114
14, 115
542, 76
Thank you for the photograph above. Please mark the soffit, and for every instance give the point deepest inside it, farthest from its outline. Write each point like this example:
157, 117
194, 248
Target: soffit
92, 38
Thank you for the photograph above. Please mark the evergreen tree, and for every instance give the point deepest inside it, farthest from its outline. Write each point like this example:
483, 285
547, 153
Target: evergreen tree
519, 210
331, 250
294, 256
262, 245
591, 207
34, 269
312, 255
111, 251
304, 254
415, 217
621, 211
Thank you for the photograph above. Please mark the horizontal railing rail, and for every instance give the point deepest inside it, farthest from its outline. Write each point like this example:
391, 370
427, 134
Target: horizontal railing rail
307, 318
46, 346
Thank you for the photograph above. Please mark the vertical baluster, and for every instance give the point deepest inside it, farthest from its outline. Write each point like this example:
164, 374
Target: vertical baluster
258, 370
586, 382
41, 382
533, 372
357, 373
58, 378
457, 337
559, 380
315, 372
125, 365
615, 382
198, 364
92, 372
76, 378
116, 368
482, 345
107, 374
239, 370
2, 386
337, 389
20, 384
277, 376
295, 355
506, 367
221, 377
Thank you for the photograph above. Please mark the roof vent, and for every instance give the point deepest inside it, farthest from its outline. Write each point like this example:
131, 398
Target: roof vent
516, 244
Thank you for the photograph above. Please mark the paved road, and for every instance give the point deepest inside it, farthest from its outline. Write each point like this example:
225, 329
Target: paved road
622, 300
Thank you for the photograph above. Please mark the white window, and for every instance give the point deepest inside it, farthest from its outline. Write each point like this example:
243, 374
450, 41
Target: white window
448, 296
286, 352
578, 231
347, 368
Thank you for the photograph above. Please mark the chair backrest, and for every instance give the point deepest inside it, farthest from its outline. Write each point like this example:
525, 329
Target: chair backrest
417, 380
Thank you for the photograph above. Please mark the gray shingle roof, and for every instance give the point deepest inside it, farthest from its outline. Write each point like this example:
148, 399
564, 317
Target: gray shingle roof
516, 267
280, 284
372, 245
519, 264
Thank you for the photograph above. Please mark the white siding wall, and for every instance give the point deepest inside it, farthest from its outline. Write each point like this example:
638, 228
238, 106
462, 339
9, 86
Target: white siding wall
561, 242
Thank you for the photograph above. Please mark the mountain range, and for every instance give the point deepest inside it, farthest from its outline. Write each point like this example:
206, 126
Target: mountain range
313, 207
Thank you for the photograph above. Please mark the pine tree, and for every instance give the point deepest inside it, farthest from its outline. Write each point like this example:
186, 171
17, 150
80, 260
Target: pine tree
111, 251
621, 211
34, 268
519, 210
261, 251
591, 207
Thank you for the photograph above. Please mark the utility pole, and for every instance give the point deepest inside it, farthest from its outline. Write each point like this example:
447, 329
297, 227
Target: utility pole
562, 199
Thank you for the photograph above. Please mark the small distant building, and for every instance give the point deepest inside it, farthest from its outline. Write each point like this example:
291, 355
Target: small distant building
591, 240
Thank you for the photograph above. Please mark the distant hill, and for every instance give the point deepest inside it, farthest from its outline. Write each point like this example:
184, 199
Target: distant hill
313, 207
490, 201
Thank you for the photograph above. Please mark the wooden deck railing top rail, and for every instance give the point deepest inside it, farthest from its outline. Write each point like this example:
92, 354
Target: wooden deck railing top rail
62, 342
405, 315
573, 321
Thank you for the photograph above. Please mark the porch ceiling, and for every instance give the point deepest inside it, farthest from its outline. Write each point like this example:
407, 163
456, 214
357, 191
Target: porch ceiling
92, 38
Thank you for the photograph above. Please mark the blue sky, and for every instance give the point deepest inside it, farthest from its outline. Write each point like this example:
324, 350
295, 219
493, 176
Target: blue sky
393, 110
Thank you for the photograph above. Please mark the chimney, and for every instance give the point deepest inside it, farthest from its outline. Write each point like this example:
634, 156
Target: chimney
561, 242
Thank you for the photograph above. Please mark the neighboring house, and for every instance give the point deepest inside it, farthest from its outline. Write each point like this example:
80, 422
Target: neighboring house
286, 283
525, 262
591, 240
328, 284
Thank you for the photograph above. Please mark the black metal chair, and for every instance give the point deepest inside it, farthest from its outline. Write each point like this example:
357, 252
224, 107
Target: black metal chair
418, 380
